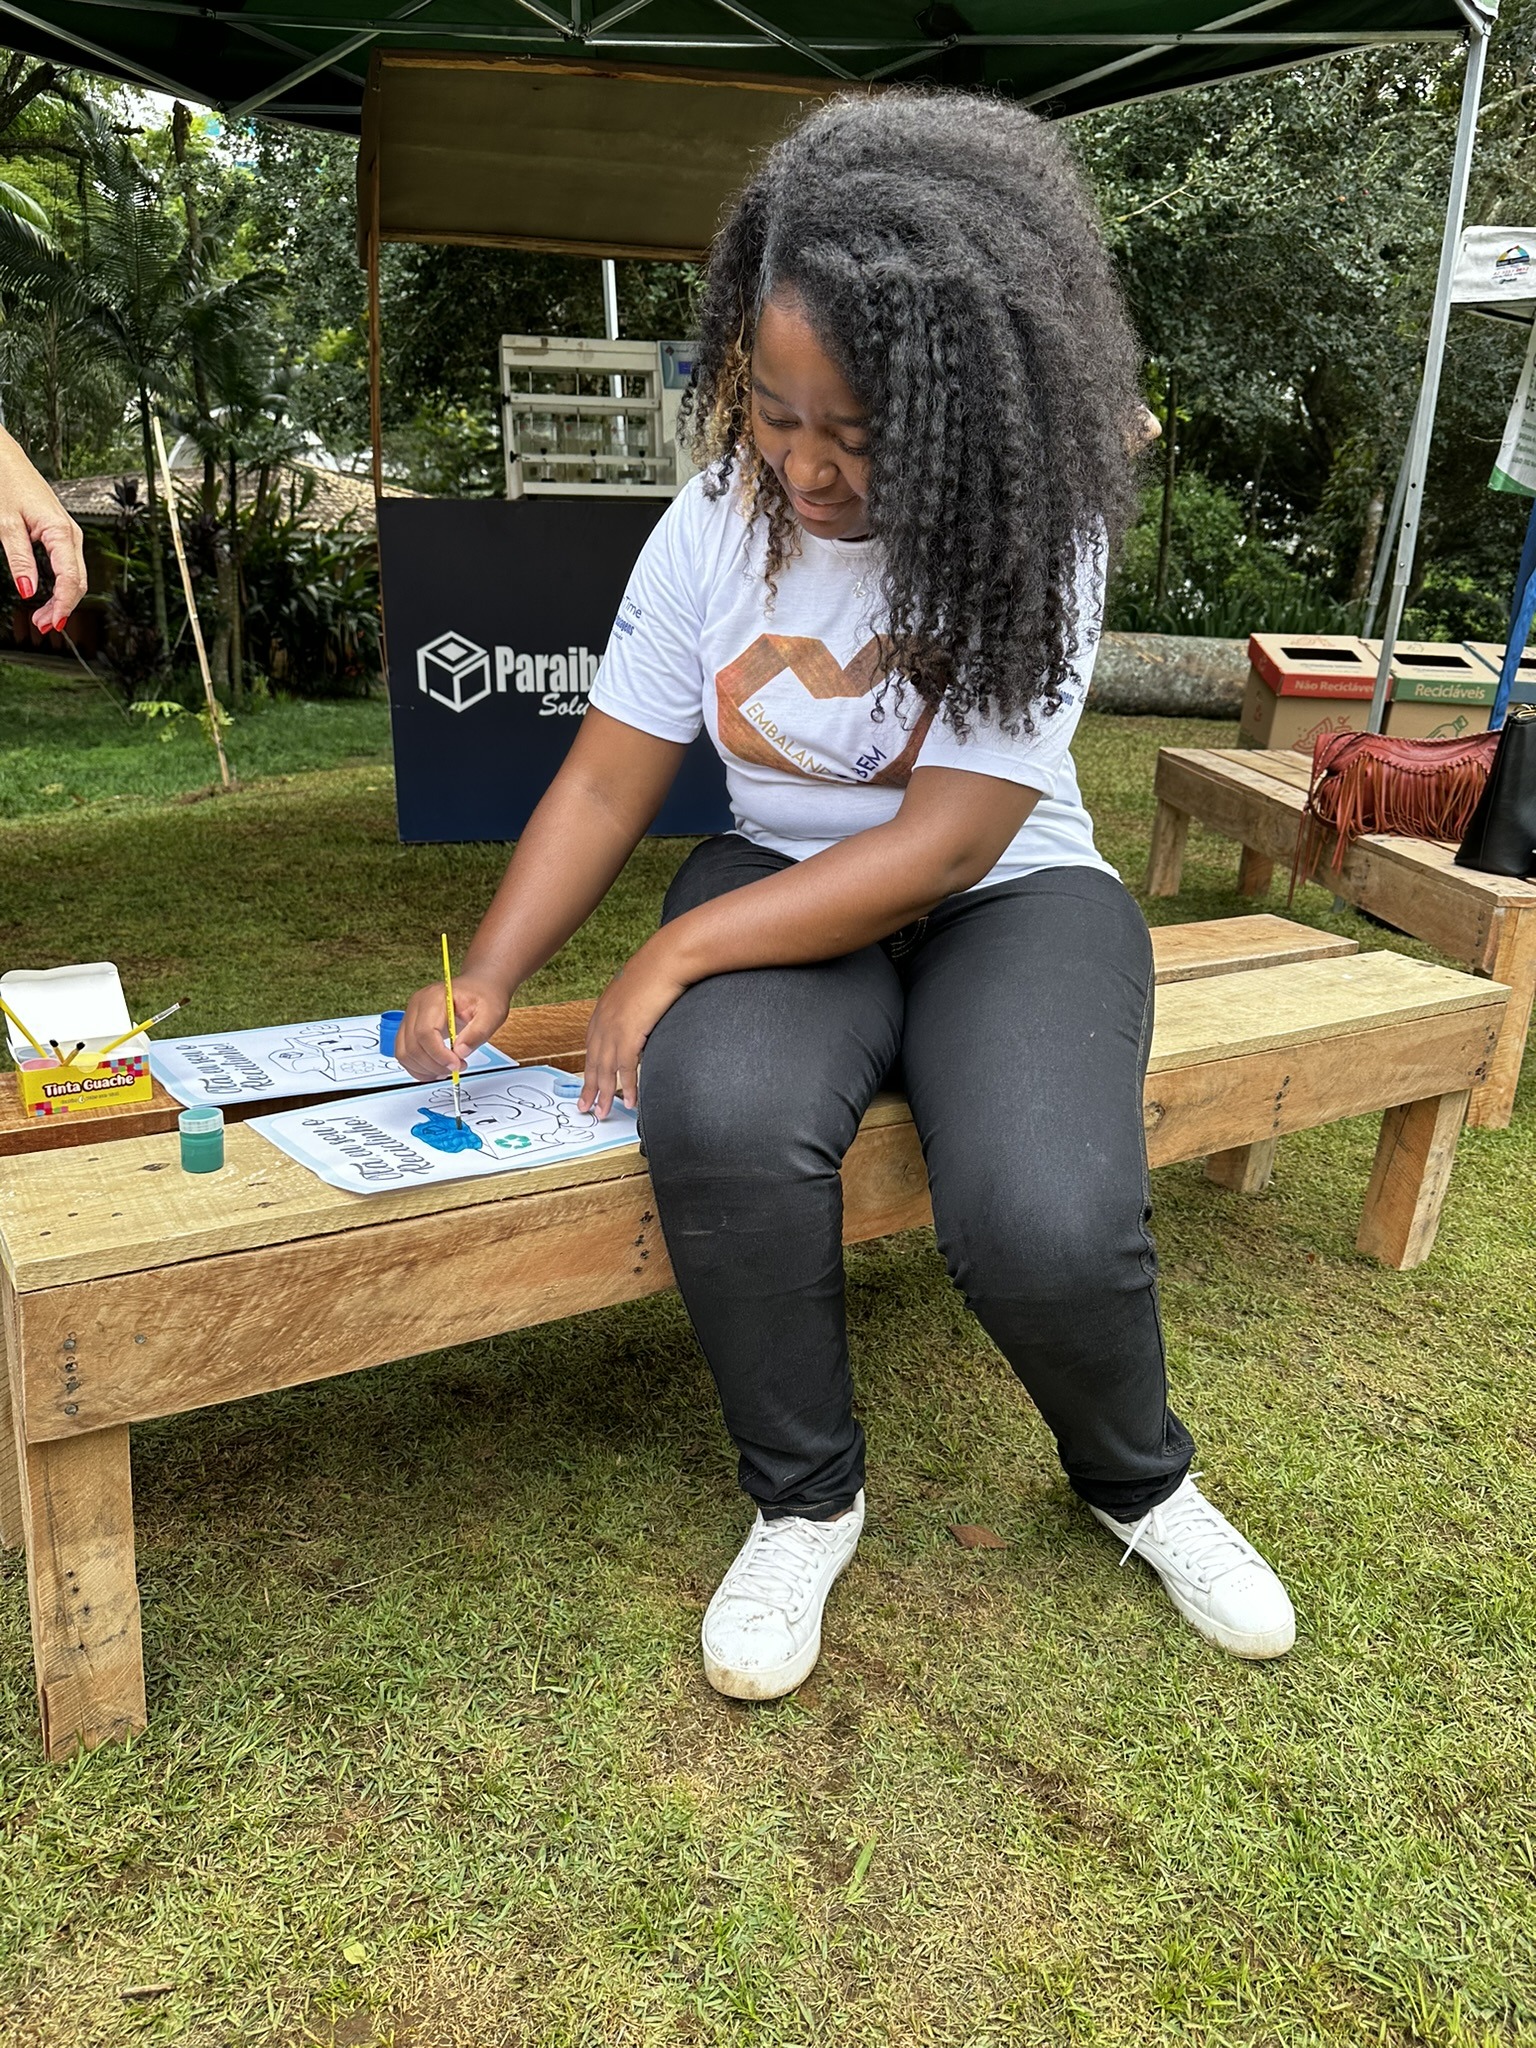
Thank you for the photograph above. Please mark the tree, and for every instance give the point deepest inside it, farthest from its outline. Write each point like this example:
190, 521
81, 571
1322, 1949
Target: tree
1278, 239
129, 295
444, 309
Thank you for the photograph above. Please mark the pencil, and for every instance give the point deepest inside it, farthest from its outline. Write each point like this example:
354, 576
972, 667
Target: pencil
6, 1010
453, 1032
134, 1029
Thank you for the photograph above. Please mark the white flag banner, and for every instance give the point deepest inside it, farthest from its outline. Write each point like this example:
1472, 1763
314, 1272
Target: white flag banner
1514, 467
1496, 271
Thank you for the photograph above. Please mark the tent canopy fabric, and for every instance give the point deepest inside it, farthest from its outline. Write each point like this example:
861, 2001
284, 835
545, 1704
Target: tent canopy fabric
589, 159
307, 60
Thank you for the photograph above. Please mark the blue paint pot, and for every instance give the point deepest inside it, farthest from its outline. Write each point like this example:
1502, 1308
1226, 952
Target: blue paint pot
202, 1139
389, 1029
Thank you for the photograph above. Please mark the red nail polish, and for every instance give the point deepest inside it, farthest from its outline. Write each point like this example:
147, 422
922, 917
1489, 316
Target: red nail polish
26, 586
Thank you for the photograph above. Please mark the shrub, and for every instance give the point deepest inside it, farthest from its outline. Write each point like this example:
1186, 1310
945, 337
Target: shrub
1222, 580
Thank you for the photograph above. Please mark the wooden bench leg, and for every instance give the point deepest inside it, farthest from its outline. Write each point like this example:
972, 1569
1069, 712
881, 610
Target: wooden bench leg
1414, 1156
12, 1533
77, 1509
10, 1476
1165, 861
1245, 1169
1514, 963
1254, 873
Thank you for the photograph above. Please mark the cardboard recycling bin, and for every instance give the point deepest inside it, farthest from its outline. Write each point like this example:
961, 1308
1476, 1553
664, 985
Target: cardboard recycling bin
1440, 690
1302, 685
1524, 691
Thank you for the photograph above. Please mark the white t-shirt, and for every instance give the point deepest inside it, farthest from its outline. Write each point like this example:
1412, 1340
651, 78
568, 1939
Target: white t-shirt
788, 693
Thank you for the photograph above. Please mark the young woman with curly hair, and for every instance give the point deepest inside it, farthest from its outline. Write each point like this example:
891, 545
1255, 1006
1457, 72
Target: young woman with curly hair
915, 407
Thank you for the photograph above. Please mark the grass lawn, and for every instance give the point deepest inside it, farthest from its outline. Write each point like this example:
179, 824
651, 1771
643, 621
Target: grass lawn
65, 741
431, 1760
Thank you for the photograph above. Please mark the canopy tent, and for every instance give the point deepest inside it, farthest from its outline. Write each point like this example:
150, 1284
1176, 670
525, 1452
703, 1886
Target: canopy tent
304, 63
620, 126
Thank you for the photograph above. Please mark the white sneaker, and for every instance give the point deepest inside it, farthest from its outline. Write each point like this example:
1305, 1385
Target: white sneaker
762, 1630
1215, 1578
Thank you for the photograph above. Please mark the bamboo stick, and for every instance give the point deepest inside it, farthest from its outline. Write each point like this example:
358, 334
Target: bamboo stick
186, 585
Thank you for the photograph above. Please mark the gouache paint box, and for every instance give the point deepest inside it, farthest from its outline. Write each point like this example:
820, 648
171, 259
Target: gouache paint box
70, 1004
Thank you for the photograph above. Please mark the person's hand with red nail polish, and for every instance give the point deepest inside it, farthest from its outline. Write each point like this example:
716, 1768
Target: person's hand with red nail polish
30, 513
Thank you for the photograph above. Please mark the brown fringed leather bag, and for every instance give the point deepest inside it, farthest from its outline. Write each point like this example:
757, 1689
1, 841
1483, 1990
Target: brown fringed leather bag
1369, 782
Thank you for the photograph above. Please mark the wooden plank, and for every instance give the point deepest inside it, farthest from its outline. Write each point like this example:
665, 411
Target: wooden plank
1254, 873
12, 1532
1165, 857
542, 1030
127, 1207
1232, 1014
885, 1180
1410, 884
1280, 764
188, 1336
1191, 1112
1284, 779
1513, 964
83, 1597
553, 1033
1231, 945
21, 1131
1246, 1169
1414, 1157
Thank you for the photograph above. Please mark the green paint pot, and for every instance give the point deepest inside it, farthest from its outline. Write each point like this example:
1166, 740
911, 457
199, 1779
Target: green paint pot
202, 1139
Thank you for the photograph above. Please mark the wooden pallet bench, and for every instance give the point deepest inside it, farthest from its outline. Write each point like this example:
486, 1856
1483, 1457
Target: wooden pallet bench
1488, 922
130, 1291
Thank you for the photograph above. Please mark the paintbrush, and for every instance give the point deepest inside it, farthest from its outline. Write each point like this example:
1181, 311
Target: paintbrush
134, 1029
453, 1032
66, 1059
6, 1010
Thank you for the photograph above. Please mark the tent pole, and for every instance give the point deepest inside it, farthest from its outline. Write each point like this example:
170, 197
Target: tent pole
1389, 534
1417, 461
611, 327
375, 348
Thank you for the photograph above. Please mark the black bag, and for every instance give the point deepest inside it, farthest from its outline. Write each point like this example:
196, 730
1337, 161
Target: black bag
1501, 839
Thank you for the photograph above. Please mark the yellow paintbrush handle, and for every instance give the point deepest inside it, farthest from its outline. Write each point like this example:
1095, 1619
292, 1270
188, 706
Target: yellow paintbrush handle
453, 1027
134, 1029
41, 1050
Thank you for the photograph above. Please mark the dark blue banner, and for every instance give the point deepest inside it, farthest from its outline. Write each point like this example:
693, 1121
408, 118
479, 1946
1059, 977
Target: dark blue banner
496, 614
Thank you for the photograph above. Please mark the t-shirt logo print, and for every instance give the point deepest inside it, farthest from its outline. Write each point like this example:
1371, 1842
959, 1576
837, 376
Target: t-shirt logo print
755, 732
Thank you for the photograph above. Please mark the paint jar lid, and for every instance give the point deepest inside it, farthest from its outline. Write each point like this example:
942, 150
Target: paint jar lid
199, 1122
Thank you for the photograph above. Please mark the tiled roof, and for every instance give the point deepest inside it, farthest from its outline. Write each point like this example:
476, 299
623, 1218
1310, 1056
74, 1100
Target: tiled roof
333, 498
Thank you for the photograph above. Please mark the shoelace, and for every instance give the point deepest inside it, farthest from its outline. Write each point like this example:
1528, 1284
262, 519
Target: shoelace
782, 1566
1204, 1543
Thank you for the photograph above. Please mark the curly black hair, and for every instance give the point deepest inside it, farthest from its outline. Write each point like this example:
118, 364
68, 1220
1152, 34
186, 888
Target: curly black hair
945, 250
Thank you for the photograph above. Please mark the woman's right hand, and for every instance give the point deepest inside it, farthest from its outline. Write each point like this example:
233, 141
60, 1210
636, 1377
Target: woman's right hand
422, 1044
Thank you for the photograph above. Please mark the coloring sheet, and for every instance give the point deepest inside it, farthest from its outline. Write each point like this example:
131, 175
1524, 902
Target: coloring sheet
288, 1059
525, 1116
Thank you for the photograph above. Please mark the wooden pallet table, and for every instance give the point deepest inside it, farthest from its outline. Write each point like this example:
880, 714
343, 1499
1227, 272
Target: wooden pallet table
1488, 922
130, 1291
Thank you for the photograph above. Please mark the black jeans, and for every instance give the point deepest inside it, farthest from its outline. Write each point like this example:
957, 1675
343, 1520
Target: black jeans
1018, 1018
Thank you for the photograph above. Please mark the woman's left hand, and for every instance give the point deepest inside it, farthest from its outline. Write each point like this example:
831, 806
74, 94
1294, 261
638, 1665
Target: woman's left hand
30, 512
628, 1011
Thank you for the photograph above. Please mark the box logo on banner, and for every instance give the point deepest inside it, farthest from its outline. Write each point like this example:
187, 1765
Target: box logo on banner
454, 671
495, 617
